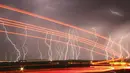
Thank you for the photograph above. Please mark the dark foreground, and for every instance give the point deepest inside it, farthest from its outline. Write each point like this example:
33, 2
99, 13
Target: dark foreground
58, 67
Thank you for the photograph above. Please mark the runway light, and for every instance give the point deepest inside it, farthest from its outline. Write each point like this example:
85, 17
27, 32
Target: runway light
21, 68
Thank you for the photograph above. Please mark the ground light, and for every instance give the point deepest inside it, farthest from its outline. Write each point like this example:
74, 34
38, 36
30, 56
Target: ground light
22, 68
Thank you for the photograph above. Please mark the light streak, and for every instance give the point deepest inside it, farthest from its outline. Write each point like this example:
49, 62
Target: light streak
39, 50
106, 61
53, 33
7, 36
91, 54
48, 19
42, 32
111, 67
49, 46
99, 69
114, 67
14, 33
51, 20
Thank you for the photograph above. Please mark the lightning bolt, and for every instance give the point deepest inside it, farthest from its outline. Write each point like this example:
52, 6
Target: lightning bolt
17, 50
78, 48
72, 50
78, 51
59, 51
121, 47
82, 39
45, 18
49, 46
75, 50
107, 55
66, 52
127, 51
25, 49
11, 58
39, 50
111, 47
124, 48
6, 56
91, 52
72, 42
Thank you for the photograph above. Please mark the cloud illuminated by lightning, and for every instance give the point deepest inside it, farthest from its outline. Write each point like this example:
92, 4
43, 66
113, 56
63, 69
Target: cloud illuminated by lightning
115, 13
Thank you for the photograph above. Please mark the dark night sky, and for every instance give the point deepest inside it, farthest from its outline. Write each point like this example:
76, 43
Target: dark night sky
71, 11
107, 16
